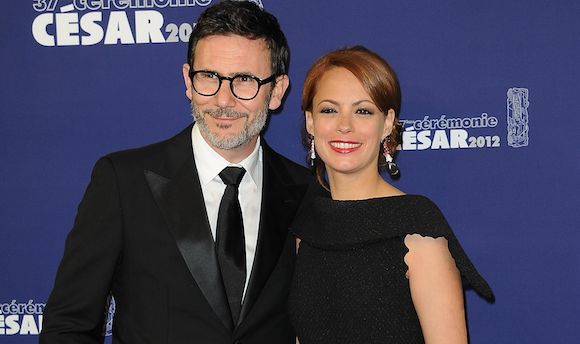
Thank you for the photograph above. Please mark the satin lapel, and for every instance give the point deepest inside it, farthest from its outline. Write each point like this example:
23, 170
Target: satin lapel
181, 202
278, 200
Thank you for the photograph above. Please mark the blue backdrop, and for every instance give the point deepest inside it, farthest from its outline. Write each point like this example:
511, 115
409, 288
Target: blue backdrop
490, 103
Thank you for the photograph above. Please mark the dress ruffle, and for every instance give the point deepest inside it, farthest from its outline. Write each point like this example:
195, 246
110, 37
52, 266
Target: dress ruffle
346, 225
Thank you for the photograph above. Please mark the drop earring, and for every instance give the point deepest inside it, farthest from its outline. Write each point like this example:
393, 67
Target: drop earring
312, 151
391, 165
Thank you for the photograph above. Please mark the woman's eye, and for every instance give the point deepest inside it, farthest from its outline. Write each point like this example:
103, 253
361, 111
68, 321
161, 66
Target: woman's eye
327, 110
364, 111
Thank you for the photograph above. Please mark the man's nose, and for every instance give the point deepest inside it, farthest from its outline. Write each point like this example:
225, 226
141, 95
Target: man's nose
224, 96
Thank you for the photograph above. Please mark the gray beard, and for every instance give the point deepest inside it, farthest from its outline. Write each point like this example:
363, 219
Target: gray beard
251, 128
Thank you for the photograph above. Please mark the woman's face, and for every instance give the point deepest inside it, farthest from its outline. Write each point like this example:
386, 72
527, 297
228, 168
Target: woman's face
346, 124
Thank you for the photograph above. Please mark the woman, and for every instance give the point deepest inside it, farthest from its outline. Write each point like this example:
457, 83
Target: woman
374, 265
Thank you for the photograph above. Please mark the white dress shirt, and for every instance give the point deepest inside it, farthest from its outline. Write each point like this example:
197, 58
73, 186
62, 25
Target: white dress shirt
209, 164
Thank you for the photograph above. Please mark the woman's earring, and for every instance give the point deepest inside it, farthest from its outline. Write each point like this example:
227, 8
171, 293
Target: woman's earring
391, 165
312, 151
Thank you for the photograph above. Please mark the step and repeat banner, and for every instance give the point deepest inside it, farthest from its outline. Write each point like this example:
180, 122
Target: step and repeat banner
490, 117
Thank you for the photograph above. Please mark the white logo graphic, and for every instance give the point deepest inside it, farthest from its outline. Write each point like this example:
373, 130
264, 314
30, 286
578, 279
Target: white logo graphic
108, 330
449, 133
91, 22
21, 318
517, 117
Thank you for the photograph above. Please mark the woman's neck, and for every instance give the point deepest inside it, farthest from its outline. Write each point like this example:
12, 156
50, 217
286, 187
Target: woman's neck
359, 186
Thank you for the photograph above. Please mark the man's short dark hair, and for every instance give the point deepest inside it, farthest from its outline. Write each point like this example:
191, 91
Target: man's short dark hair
246, 19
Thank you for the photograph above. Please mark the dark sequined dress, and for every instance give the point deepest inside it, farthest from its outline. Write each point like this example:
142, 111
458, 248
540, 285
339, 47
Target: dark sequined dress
349, 282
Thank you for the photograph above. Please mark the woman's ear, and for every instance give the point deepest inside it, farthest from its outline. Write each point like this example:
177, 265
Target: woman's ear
389, 123
309, 122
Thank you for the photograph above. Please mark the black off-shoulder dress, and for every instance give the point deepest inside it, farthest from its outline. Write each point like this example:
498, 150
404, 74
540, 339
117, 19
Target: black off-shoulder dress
349, 282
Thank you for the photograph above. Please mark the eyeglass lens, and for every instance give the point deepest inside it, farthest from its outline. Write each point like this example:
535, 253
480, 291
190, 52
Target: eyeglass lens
242, 86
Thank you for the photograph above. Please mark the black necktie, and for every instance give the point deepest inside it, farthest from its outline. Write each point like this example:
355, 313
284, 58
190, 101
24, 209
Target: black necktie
231, 246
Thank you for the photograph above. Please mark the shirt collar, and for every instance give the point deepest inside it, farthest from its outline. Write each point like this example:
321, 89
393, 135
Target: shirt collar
209, 163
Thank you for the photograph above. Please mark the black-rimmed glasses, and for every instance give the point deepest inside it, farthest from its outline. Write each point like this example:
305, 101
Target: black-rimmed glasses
243, 86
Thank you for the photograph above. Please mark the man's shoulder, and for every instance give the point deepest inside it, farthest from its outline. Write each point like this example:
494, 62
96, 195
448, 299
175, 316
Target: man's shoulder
286, 168
180, 141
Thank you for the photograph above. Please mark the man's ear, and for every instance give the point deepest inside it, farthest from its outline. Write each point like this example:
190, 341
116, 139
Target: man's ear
280, 87
187, 80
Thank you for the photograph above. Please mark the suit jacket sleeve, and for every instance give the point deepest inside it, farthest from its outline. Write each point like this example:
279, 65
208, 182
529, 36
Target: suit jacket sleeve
75, 309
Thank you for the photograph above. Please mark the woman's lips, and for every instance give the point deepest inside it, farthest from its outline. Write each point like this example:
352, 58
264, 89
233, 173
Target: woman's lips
344, 147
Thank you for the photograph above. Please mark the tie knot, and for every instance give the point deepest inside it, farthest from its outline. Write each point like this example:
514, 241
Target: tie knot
232, 175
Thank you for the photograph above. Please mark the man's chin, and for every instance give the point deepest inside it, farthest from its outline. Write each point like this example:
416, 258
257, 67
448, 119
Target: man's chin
227, 142
225, 134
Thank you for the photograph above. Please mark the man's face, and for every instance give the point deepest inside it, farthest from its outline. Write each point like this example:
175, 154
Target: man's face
226, 122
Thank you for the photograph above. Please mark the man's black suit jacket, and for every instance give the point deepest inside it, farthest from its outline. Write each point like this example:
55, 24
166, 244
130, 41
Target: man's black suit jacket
142, 234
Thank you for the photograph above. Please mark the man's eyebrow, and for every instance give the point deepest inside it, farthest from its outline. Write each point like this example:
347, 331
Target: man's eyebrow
209, 70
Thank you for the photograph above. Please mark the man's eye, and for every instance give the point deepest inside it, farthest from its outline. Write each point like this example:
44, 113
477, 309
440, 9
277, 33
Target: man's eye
206, 75
244, 78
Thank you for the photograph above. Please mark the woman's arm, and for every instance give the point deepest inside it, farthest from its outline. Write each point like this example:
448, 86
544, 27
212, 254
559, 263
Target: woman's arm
436, 290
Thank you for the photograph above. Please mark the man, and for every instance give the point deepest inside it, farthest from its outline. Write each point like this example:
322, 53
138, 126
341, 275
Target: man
159, 229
